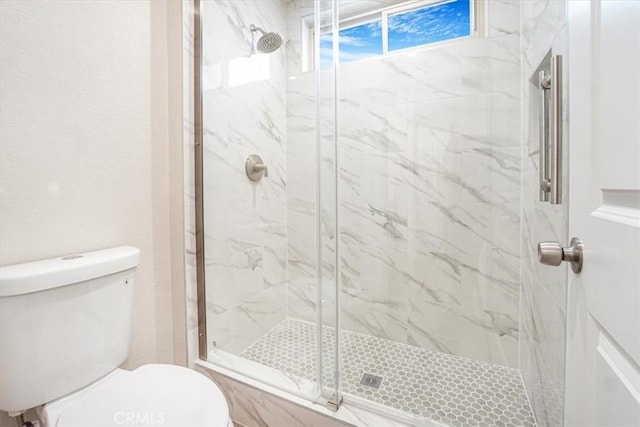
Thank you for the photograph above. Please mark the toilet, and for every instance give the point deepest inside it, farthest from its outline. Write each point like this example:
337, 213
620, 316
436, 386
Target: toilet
65, 328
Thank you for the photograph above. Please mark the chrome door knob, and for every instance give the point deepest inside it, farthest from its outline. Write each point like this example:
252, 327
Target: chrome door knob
552, 253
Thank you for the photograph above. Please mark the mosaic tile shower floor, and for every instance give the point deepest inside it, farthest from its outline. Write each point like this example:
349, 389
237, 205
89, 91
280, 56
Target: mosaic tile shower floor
449, 389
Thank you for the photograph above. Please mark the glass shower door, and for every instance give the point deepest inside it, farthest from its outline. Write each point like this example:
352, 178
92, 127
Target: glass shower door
429, 153
268, 216
245, 201
325, 59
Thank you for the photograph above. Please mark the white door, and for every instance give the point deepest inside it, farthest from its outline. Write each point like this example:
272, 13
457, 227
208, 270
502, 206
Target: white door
603, 336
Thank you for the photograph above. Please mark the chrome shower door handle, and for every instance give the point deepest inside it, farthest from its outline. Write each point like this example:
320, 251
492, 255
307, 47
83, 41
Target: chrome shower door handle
552, 253
550, 130
555, 179
544, 84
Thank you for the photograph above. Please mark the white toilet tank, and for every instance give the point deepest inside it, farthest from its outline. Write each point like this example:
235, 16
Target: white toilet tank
64, 323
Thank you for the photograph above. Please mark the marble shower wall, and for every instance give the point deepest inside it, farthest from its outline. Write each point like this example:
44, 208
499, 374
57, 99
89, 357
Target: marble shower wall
430, 168
544, 288
245, 222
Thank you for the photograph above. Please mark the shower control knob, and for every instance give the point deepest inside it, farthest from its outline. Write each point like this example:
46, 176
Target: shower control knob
255, 168
552, 253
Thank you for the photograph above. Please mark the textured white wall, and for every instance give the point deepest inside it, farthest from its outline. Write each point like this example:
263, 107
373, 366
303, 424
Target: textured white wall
84, 145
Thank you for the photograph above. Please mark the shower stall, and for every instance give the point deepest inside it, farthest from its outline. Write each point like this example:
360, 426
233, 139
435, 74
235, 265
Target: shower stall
365, 203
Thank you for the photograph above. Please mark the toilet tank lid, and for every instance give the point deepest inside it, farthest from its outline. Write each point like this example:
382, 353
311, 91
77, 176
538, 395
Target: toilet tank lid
52, 273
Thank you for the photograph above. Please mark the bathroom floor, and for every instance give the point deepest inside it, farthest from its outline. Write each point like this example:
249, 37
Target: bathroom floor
453, 390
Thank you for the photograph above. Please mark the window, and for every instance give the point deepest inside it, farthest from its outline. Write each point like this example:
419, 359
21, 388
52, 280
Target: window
359, 42
402, 25
428, 24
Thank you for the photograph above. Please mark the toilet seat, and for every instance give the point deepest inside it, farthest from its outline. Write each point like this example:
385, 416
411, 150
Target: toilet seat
152, 395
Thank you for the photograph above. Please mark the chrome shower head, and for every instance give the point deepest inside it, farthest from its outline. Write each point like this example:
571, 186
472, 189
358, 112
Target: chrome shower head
268, 42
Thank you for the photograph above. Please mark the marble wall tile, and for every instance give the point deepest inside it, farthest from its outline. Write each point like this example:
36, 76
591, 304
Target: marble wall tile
505, 17
235, 329
369, 313
301, 299
256, 405
464, 331
296, 10
543, 295
256, 408
245, 222
430, 168
542, 22
542, 353
474, 66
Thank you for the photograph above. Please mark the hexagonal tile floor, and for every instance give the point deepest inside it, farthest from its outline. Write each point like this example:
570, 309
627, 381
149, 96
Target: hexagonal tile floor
441, 387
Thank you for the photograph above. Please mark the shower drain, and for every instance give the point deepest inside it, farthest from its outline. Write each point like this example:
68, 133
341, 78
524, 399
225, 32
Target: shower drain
371, 380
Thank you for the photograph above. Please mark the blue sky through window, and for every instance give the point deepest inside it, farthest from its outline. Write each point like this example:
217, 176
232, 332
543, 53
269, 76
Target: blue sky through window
429, 24
408, 28
357, 42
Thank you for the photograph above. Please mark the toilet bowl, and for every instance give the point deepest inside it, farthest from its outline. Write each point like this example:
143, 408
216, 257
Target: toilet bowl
65, 329
151, 395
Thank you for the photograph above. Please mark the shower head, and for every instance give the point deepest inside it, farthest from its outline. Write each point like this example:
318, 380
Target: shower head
268, 42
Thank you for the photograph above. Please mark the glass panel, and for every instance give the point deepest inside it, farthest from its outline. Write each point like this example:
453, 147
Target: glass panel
429, 225
429, 24
358, 42
260, 243
327, 146
270, 239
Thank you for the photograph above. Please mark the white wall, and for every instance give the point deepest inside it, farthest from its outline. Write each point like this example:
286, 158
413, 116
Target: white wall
85, 143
